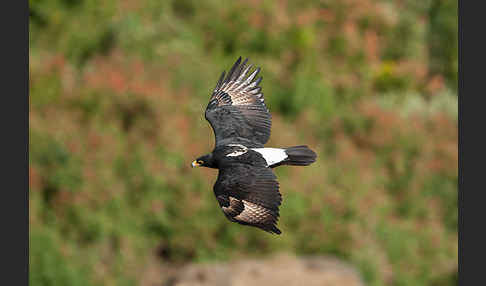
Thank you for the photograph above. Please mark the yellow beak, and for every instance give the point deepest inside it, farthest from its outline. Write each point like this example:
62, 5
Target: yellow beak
195, 164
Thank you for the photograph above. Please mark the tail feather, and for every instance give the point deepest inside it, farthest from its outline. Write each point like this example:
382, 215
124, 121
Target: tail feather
298, 156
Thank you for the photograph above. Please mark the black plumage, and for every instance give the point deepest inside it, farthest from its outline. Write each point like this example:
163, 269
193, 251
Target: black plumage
247, 190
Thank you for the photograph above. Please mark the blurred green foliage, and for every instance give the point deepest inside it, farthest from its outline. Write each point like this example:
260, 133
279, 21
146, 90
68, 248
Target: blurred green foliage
117, 95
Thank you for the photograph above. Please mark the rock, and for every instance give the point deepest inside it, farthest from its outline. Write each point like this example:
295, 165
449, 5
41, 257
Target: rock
279, 270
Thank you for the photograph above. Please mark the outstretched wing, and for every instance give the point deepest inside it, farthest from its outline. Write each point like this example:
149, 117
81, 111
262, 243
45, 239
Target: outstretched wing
237, 111
249, 195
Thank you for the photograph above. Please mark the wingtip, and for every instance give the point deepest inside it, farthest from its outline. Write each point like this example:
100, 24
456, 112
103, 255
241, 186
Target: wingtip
276, 231
238, 61
220, 81
233, 69
258, 80
273, 229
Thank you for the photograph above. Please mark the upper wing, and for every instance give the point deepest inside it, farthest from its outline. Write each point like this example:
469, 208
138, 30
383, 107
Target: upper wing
237, 111
249, 195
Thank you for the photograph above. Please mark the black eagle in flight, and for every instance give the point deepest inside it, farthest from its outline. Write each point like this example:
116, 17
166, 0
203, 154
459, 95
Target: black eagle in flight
246, 189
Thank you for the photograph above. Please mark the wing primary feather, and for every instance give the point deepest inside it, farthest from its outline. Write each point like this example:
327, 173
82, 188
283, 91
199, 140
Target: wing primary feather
258, 80
243, 64
220, 81
252, 76
233, 68
243, 74
255, 90
240, 69
237, 73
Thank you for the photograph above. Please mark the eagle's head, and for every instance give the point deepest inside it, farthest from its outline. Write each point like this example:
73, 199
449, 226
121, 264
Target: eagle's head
204, 161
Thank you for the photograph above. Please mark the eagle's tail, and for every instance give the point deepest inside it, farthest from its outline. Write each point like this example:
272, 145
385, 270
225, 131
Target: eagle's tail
298, 156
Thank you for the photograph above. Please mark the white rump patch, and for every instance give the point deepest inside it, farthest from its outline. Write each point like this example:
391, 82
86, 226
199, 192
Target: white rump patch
272, 155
